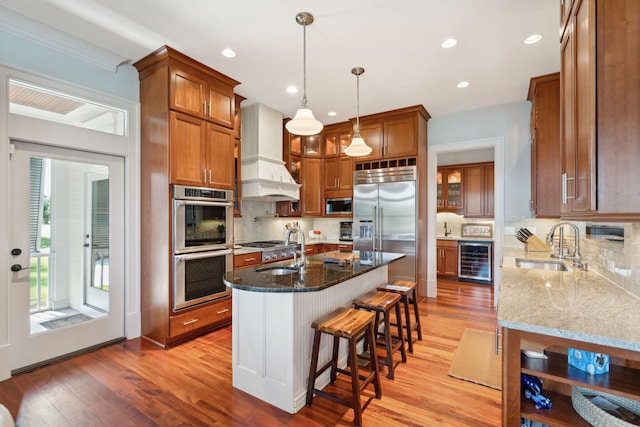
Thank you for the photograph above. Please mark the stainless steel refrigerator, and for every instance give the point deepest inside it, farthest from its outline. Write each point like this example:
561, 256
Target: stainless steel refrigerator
385, 217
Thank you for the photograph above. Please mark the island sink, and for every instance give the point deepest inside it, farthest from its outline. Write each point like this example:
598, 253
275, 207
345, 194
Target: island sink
541, 264
278, 270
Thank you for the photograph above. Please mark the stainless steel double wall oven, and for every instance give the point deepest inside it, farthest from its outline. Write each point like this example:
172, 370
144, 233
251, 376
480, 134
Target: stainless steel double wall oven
202, 236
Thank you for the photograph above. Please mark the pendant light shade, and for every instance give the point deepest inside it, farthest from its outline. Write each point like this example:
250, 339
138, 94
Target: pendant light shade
304, 123
358, 147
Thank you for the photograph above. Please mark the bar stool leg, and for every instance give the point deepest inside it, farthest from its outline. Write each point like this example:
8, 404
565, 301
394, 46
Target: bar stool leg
355, 382
374, 363
313, 366
416, 312
388, 342
405, 303
334, 360
400, 334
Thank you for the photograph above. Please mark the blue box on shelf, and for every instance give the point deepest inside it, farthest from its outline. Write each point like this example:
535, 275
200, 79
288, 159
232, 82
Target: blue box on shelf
589, 362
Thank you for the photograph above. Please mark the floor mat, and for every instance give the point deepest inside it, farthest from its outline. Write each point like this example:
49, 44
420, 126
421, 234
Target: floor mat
476, 359
65, 321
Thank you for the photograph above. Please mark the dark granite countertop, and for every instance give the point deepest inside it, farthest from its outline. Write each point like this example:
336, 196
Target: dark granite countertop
316, 276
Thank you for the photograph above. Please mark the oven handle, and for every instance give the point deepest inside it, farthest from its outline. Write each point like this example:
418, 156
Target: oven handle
180, 203
200, 255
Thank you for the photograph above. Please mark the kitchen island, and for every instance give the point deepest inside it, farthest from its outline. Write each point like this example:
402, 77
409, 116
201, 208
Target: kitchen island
540, 308
272, 316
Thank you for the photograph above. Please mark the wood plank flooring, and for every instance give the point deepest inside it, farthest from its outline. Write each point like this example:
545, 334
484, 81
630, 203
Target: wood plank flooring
135, 383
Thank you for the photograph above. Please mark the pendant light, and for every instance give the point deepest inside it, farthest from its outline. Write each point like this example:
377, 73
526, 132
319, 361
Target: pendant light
358, 147
304, 123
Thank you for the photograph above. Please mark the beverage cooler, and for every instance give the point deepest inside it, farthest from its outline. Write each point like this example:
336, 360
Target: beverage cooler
475, 260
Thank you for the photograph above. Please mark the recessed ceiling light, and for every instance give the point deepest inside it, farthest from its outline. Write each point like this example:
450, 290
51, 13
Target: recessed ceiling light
462, 84
228, 52
450, 42
292, 89
533, 38
332, 113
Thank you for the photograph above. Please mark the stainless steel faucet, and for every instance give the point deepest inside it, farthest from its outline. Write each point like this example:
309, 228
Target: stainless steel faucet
576, 255
298, 231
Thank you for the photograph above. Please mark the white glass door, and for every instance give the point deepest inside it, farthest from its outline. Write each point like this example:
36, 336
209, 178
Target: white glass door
66, 291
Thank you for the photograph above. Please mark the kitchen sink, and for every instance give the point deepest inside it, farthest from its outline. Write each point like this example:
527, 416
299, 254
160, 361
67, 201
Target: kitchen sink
277, 270
541, 264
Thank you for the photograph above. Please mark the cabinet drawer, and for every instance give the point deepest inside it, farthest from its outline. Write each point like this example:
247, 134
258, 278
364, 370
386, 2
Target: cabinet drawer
447, 243
217, 312
246, 260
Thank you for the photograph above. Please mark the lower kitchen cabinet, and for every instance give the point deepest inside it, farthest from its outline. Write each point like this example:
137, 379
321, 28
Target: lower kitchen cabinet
247, 260
210, 316
558, 377
447, 261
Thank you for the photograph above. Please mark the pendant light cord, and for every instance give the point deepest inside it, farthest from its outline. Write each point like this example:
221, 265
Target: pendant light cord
304, 65
357, 105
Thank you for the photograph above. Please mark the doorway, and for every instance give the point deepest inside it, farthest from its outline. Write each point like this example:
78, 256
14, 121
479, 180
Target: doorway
444, 151
66, 290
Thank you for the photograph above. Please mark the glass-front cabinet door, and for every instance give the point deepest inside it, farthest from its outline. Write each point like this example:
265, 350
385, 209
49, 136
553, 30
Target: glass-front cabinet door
449, 190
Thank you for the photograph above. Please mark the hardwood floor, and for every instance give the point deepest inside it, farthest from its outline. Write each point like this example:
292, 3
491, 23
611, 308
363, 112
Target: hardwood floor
136, 383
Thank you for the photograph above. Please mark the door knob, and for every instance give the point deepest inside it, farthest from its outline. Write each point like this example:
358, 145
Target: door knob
16, 251
18, 267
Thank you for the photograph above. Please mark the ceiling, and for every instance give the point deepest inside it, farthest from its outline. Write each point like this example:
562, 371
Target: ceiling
396, 42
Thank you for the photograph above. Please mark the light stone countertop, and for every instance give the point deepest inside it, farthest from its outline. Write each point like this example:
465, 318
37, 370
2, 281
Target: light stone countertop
578, 305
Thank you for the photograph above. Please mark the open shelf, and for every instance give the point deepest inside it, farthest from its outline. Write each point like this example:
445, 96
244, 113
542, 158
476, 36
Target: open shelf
620, 380
561, 413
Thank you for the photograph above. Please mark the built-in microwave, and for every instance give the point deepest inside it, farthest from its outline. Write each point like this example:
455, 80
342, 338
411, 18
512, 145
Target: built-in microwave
202, 219
339, 206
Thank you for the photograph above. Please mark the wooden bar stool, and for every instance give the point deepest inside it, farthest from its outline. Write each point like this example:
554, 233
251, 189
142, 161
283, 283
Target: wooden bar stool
350, 324
381, 303
408, 295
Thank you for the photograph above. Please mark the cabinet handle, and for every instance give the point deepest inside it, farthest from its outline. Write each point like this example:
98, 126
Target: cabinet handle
498, 335
204, 107
189, 322
209, 108
204, 176
250, 259
210, 182
565, 197
224, 310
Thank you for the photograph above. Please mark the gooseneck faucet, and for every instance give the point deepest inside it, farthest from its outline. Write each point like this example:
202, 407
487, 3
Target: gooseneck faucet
577, 256
298, 231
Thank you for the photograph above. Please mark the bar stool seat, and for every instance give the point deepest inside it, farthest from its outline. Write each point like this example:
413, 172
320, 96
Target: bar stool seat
381, 303
408, 296
350, 324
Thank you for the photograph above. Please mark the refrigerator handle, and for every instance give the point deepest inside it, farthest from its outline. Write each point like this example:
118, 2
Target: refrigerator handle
374, 227
380, 229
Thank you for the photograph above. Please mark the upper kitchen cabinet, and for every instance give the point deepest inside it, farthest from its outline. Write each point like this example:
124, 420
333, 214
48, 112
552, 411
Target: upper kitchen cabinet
395, 134
338, 167
336, 138
308, 146
544, 94
478, 190
183, 115
600, 106
450, 189
310, 192
237, 157
202, 93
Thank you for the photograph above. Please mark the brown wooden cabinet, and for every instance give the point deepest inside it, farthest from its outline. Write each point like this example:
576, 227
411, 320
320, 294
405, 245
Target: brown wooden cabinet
187, 129
201, 153
336, 138
390, 135
237, 158
196, 92
247, 260
600, 106
338, 172
450, 189
478, 190
311, 194
546, 170
447, 258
